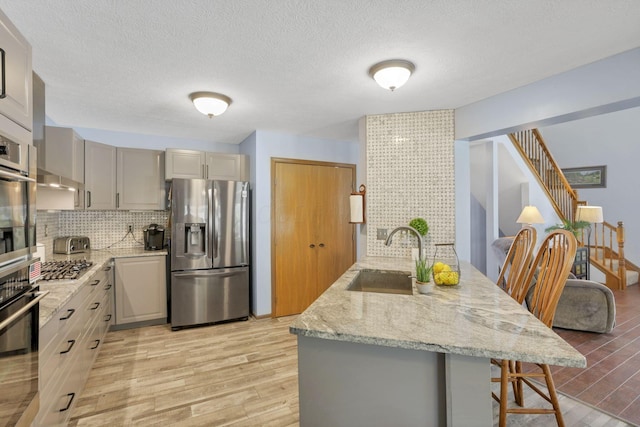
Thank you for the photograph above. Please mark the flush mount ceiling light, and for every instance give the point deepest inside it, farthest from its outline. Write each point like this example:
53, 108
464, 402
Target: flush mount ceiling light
392, 74
210, 103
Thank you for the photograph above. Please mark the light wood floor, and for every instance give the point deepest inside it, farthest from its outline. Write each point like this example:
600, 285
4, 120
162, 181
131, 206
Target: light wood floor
235, 374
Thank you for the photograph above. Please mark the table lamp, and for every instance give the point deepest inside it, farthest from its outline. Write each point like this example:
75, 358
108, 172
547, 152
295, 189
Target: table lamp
530, 215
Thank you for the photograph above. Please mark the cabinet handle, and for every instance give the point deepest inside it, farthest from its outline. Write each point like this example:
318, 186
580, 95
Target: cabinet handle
88, 199
106, 288
95, 282
95, 346
106, 268
72, 396
207, 171
107, 317
69, 314
312, 246
3, 92
321, 245
71, 343
117, 200
96, 305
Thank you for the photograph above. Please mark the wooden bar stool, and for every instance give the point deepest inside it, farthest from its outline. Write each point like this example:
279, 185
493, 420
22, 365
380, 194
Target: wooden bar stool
512, 277
549, 270
516, 265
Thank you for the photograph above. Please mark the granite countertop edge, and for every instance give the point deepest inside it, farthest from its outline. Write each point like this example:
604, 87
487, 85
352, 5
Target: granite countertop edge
409, 345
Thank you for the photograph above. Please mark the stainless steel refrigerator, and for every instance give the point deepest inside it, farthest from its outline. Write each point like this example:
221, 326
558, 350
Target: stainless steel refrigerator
209, 251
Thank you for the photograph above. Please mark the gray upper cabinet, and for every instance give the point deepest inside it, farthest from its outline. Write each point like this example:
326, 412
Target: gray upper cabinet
227, 167
63, 153
100, 176
123, 178
16, 104
199, 164
186, 164
140, 179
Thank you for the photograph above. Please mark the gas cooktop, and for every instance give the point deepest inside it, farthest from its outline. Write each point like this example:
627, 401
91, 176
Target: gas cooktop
64, 270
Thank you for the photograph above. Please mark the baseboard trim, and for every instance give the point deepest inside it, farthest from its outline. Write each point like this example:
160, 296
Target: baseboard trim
262, 316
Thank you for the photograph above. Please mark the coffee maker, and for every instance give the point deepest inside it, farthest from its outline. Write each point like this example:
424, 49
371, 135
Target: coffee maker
153, 237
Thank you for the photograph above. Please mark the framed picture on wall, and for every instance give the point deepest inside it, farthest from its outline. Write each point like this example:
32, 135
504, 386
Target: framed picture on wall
587, 176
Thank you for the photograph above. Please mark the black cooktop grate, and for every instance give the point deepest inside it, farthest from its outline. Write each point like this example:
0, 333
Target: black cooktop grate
64, 270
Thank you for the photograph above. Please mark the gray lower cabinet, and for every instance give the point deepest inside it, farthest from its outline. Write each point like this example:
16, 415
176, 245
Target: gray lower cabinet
69, 344
141, 290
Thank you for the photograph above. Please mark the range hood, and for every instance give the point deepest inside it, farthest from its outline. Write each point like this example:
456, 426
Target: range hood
47, 179
56, 192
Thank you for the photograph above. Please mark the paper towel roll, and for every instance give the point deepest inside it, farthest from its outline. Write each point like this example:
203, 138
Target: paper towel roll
356, 201
40, 253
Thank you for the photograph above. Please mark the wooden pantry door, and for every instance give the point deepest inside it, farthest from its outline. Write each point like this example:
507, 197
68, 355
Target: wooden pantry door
312, 240
336, 252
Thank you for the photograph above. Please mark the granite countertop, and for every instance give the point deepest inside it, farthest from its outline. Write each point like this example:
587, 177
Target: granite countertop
61, 291
474, 318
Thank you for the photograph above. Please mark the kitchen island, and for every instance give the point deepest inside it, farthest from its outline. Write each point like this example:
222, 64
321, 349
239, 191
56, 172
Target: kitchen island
379, 359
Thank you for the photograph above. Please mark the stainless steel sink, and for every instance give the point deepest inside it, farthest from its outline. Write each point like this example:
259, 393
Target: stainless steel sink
383, 281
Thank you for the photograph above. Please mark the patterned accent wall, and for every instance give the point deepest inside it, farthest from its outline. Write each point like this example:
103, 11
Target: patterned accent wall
104, 228
47, 229
410, 173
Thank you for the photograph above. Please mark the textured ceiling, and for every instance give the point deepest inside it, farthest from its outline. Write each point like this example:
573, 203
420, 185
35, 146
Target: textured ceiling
299, 66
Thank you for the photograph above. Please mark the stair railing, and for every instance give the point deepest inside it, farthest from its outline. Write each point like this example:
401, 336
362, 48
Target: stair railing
535, 153
607, 252
564, 200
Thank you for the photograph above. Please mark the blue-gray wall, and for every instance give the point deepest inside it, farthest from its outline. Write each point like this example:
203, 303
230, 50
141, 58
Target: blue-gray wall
262, 146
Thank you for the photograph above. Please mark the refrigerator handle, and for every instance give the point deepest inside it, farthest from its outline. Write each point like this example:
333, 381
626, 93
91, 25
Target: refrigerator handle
216, 219
246, 214
210, 227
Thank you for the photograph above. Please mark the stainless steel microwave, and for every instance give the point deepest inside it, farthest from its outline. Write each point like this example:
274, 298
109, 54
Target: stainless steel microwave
18, 168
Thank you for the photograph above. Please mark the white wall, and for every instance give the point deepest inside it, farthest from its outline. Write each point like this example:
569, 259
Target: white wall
611, 140
610, 84
151, 142
605, 86
265, 145
512, 172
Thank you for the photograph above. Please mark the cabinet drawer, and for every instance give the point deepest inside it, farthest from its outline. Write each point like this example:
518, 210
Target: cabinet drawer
68, 353
60, 392
70, 321
95, 337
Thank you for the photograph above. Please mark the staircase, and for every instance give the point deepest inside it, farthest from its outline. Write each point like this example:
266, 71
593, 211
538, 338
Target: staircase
607, 248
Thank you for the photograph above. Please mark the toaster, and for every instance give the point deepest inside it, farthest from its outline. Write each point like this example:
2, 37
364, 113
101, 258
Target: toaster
71, 244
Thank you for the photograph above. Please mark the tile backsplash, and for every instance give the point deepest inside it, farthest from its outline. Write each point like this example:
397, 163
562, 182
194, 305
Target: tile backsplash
104, 228
410, 173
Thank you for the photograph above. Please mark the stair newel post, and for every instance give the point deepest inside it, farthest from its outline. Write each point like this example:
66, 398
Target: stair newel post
595, 243
622, 268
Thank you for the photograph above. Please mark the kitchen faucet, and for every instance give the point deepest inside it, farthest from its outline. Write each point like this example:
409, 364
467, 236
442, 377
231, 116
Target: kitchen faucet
410, 229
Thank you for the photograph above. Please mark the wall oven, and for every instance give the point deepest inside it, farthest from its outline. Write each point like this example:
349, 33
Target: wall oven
19, 331
18, 169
